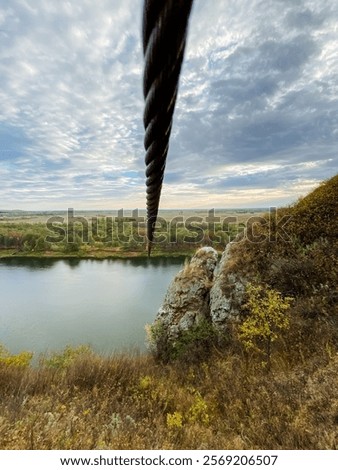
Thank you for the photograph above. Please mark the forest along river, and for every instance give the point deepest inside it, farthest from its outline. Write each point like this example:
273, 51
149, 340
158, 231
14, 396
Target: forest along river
49, 304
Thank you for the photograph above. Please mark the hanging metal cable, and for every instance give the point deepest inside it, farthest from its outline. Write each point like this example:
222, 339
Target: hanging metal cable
165, 26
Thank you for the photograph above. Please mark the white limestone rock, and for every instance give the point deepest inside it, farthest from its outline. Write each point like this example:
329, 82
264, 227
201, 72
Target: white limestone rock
227, 292
187, 300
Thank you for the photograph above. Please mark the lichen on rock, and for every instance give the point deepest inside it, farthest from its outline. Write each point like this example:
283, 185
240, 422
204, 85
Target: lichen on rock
227, 292
187, 300
202, 297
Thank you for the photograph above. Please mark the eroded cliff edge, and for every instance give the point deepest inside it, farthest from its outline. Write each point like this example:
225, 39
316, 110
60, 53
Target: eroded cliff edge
294, 253
205, 295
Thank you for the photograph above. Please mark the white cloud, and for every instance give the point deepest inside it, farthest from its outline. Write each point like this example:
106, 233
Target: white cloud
256, 97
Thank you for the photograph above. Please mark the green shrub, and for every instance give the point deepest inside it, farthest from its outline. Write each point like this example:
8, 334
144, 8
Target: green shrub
22, 359
67, 357
190, 345
266, 320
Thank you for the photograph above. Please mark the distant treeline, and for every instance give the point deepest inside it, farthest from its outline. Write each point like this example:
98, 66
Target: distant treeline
89, 235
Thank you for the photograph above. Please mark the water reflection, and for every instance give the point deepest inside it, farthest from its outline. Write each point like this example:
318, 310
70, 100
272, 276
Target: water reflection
31, 264
47, 263
47, 304
163, 262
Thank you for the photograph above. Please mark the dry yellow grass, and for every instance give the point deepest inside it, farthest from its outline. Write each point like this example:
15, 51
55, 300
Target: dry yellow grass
132, 402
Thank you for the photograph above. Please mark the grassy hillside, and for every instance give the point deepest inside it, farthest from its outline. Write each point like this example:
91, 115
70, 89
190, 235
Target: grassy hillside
128, 402
296, 252
215, 395
316, 216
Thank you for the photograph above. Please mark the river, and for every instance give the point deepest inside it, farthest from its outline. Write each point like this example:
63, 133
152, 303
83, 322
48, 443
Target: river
49, 304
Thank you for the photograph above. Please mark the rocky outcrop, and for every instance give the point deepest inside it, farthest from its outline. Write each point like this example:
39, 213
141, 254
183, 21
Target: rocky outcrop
187, 300
202, 291
227, 292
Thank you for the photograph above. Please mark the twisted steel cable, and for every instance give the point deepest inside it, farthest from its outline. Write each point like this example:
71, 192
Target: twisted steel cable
165, 25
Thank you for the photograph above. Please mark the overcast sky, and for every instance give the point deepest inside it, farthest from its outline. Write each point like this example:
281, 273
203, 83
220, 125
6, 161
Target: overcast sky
256, 121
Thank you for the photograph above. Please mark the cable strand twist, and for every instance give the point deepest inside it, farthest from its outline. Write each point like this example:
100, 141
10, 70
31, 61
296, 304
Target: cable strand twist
165, 25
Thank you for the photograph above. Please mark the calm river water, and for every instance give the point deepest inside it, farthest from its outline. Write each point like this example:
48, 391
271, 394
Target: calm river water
47, 304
